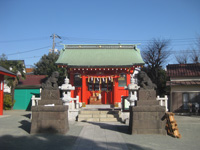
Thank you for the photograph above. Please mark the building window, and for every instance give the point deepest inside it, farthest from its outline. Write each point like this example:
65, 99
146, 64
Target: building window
185, 100
122, 80
77, 80
192, 97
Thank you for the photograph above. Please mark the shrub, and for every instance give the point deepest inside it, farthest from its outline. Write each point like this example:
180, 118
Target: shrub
7, 102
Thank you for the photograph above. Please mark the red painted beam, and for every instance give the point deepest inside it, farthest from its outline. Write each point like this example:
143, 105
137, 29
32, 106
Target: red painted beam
7, 74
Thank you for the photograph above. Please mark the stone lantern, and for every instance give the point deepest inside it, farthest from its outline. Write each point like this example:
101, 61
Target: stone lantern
133, 88
67, 88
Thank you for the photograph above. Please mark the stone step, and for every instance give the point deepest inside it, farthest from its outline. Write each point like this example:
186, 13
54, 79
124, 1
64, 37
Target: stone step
98, 115
99, 106
98, 119
147, 102
99, 112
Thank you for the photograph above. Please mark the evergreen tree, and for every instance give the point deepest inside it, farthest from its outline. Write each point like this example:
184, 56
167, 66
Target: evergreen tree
46, 66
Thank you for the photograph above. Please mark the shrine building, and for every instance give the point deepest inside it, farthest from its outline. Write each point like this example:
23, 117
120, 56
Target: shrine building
100, 73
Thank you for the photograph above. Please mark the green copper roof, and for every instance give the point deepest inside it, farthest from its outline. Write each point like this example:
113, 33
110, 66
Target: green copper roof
100, 56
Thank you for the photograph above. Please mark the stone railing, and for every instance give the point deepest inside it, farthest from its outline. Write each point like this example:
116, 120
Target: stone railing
163, 101
35, 100
73, 104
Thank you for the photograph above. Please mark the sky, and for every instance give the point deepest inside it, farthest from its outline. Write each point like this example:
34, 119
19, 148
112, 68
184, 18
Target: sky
26, 25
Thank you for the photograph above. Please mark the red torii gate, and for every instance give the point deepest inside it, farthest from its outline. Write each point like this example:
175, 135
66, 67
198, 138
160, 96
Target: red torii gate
3, 72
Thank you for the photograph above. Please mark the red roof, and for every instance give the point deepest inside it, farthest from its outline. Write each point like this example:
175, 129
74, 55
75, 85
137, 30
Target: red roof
183, 70
32, 80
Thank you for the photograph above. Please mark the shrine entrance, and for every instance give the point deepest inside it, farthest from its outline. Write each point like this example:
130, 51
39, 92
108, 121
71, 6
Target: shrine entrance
96, 87
100, 89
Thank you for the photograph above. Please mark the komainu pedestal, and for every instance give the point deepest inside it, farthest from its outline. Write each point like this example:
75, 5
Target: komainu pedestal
146, 117
49, 119
50, 116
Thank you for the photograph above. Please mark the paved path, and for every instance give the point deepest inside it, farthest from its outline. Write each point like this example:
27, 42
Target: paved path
15, 134
100, 136
15, 129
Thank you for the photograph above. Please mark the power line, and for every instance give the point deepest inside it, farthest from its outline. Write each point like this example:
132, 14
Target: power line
92, 39
22, 40
118, 40
31, 57
28, 50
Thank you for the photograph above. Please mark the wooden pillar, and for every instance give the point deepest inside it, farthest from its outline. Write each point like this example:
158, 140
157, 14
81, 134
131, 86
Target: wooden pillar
84, 89
115, 90
1, 93
128, 79
105, 97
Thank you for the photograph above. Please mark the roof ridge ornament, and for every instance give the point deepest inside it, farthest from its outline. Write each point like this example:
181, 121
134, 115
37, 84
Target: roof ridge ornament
102, 46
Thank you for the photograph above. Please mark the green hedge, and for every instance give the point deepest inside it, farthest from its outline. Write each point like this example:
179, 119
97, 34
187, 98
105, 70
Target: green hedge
7, 102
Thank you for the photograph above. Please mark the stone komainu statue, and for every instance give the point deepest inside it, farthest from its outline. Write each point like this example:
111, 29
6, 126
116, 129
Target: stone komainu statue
145, 82
51, 82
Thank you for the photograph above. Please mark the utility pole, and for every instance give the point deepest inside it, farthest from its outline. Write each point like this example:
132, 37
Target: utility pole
53, 36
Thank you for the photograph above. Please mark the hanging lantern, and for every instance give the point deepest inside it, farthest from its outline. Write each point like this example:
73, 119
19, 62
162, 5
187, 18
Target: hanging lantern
131, 71
100, 81
94, 80
88, 79
106, 79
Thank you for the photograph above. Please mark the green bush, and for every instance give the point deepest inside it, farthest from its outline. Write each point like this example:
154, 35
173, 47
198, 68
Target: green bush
7, 102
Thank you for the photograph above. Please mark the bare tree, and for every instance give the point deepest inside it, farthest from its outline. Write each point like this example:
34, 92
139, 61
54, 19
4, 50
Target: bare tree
182, 58
195, 56
155, 55
192, 55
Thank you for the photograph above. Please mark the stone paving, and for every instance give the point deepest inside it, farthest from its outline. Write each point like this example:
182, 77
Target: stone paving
15, 134
103, 136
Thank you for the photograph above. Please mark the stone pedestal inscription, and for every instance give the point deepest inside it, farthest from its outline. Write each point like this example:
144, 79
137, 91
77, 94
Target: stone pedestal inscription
146, 117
